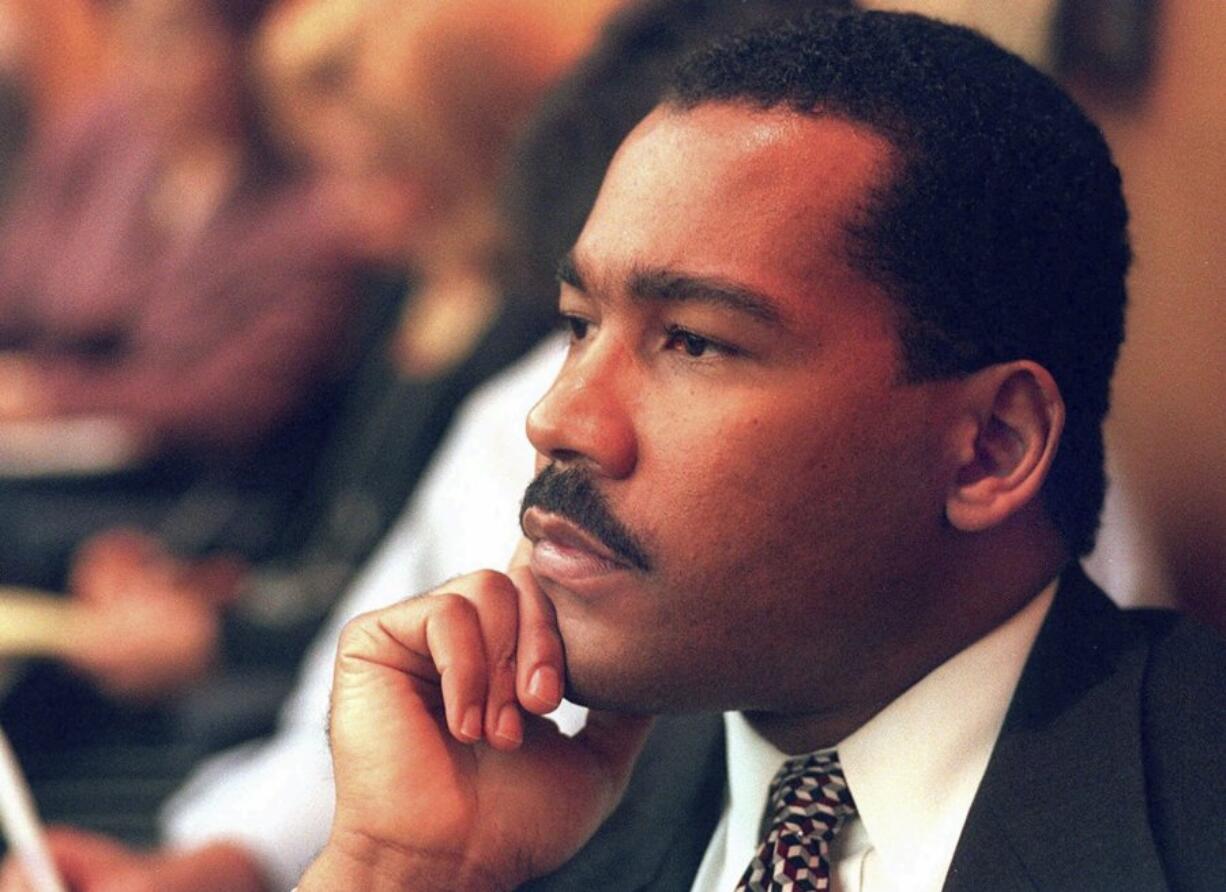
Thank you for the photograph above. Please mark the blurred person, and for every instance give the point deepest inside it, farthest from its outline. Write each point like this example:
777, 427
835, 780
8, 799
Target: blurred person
164, 274
184, 621
253, 817
444, 251
189, 260
359, 89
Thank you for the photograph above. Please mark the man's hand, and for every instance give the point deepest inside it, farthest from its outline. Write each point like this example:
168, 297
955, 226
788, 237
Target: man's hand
89, 863
442, 781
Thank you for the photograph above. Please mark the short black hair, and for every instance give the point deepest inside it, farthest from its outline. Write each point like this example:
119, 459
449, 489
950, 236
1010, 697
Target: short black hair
1000, 229
560, 161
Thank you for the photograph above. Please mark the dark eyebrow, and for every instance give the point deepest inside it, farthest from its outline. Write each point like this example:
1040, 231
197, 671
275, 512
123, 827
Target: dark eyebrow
672, 287
568, 273
667, 286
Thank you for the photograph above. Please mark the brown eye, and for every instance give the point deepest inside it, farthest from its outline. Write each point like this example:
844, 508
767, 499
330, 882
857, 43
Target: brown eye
694, 345
578, 327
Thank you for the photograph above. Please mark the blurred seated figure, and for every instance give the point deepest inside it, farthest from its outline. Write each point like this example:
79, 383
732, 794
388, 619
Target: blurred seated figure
172, 293
175, 617
424, 210
161, 264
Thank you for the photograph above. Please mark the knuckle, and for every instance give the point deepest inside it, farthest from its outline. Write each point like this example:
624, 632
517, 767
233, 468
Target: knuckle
489, 584
352, 632
472, 584
361, 634
450, 607
487, 577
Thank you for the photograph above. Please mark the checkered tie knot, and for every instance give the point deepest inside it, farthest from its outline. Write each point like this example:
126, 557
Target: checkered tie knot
809, 801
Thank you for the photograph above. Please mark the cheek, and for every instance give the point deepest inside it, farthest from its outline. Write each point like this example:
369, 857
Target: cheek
716, 486
785, 492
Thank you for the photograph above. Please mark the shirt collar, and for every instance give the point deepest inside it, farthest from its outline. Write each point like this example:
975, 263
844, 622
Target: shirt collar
914, 767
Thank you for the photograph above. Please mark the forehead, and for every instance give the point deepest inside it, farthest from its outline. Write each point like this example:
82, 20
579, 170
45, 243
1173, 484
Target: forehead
727, 190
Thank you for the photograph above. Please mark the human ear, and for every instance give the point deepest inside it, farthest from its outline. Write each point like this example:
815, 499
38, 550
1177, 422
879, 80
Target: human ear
1013, 419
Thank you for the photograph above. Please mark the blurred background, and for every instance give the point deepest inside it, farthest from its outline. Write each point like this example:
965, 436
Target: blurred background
309, 106
253, 254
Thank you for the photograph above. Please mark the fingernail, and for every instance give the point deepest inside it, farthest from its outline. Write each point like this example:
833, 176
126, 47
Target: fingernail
545, 685
470, 727
509, 726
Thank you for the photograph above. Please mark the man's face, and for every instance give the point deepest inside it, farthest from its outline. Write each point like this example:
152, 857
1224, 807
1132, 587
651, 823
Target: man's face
732, 400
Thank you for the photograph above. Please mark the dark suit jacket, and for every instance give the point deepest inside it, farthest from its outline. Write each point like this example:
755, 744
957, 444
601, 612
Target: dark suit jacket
1109, 773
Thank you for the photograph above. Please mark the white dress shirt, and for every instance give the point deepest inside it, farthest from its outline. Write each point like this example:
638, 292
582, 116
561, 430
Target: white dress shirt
912, 769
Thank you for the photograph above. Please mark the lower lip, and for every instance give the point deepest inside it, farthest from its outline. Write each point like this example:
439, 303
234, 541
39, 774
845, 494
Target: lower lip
570, 566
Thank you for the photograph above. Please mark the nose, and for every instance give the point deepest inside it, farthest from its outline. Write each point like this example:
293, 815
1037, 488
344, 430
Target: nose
584, 419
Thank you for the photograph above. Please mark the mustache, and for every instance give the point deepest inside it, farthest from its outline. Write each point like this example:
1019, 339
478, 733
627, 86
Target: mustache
572, 494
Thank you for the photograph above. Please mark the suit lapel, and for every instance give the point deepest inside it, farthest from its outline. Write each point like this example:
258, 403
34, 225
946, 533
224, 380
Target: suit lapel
1061, 805
656, 838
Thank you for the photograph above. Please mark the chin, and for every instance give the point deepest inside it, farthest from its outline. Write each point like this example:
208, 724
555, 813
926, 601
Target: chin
615, 686
633, 687
624, 700
609, 669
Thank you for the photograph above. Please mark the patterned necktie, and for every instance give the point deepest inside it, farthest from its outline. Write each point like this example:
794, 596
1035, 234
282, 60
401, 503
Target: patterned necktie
809, 801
